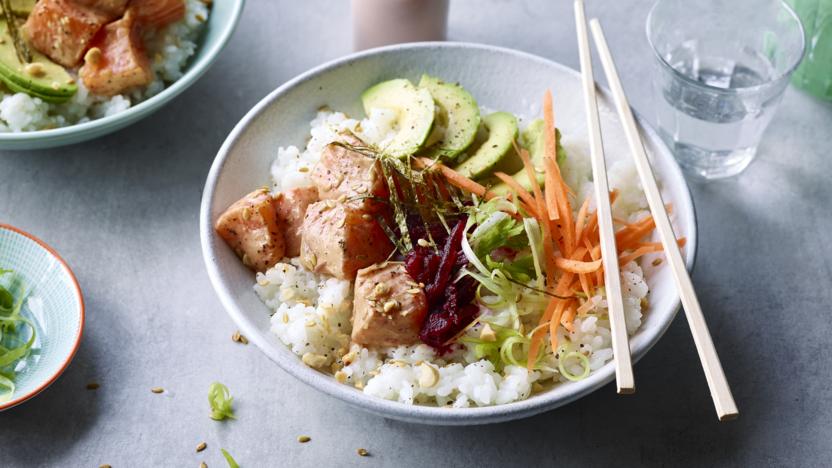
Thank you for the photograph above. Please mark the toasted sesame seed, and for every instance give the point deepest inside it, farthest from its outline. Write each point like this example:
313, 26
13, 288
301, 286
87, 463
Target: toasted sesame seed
362, 452
105, 466
157, 390
657, 262
202, 446
304, 439
303, 169
423, 243
366, 217
93, 386
203, 465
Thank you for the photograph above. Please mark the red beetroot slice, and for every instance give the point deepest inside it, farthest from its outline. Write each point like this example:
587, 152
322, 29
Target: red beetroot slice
434, 290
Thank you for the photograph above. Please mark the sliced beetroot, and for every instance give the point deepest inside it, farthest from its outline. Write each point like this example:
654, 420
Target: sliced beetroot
435, 288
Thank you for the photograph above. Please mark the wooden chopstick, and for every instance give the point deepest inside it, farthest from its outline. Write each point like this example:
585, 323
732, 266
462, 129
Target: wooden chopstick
720, 391
624, 379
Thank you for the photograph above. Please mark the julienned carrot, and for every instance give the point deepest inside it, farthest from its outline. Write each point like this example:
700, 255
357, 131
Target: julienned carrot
554, 322
568, 318
551, 151
455, 178
644, 249
577, 266
527, 201
599, 274
537, 335
568, 223
581, 221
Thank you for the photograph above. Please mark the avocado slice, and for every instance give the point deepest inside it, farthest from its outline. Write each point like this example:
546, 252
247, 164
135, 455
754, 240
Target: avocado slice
42, 78
532, 139
496, 152
457, 113
416, 112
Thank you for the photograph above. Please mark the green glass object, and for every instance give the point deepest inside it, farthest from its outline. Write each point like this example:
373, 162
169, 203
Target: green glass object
815, 73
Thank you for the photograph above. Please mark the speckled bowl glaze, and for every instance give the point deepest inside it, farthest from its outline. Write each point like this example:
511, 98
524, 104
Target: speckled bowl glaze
499, 79
221, 23
60, 323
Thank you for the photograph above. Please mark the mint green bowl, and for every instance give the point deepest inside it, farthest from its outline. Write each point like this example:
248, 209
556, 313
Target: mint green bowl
221, 23
60, 319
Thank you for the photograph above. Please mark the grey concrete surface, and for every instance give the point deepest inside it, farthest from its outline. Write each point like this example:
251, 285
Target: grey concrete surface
123, 212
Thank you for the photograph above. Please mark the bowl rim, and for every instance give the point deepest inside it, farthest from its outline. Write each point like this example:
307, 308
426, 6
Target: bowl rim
393, 409
194, 71
81, 312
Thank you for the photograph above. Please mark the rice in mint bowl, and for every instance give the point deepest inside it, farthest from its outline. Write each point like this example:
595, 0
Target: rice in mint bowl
108, 65
381, 228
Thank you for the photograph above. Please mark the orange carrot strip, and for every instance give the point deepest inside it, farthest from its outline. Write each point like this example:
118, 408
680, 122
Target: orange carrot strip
528, 202
599, 274
568, 318
534, 346
577, 266
553, 325
581, 220
455, 178
646, 248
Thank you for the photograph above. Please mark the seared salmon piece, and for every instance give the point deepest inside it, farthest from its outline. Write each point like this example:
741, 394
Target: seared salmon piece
116, 61
339, 239
158, 13
389, 307
112, 8
62, 29
344, 172
291, 208
250, 227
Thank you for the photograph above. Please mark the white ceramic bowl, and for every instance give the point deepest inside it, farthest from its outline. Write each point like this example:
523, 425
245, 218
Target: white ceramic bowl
499, 79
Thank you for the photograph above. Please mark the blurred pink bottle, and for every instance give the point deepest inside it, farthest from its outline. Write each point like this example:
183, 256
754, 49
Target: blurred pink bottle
382, 22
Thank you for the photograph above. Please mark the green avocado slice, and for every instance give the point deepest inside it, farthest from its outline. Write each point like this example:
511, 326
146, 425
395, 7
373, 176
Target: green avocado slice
532, 139
42, 78
415, 109
457, 114
496, 152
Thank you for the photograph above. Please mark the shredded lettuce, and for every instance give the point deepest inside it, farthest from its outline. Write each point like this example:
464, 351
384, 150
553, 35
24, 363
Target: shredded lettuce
220, 400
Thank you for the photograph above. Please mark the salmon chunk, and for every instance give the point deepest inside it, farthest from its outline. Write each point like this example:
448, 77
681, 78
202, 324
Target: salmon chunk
291, 207
158, 13
112, 8
389, 307
116, 62
339, 239
343, 172
251, 228
62, 29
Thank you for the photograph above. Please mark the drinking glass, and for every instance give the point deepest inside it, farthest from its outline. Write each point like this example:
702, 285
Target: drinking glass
721, 69
815, 73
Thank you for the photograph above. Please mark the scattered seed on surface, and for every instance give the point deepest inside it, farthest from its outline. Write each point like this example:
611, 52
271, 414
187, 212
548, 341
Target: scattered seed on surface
93, 386
304, 439
238, 338
366, 217
423, 242
202, 446
363, 452
657, 262
203, 465
105, 466
157, 389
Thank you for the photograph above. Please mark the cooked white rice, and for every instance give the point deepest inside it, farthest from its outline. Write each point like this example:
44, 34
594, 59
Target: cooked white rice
312, 313
169, 51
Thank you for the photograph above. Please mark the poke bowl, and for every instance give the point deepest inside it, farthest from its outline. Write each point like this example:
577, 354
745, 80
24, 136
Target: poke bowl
346, 283
74, 70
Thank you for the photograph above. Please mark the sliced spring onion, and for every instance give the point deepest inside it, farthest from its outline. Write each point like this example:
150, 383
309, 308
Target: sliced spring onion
12, 348
584, 363
231, 462
220, 400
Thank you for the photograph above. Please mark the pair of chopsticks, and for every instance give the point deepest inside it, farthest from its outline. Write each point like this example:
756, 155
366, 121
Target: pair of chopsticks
720, 391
